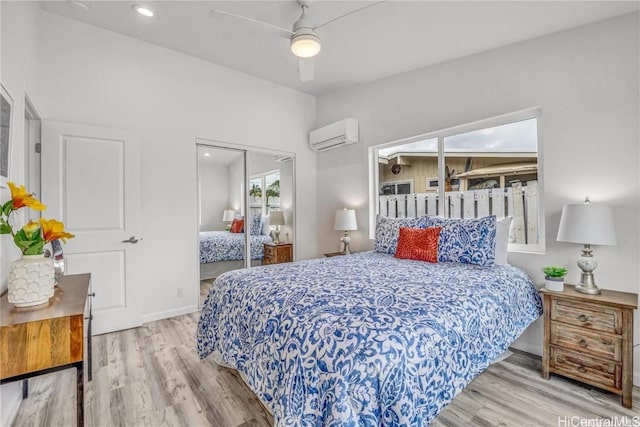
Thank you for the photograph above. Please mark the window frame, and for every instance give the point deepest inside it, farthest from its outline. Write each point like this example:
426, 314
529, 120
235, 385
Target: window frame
263, 185
531, 113
404, 181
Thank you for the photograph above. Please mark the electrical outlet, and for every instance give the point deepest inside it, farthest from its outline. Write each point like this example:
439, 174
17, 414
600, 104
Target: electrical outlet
180, 292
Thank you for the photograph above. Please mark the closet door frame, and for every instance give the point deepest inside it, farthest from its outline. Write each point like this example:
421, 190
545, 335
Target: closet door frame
246, 150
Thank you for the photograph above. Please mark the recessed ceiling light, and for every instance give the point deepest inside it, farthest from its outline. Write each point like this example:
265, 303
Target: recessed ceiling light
76, 4
144, 11
206, 154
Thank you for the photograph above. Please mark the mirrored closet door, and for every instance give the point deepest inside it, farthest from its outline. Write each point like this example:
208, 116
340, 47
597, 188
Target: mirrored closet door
245, 210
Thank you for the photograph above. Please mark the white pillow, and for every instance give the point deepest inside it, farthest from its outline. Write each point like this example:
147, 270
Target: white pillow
502, 240
265, 225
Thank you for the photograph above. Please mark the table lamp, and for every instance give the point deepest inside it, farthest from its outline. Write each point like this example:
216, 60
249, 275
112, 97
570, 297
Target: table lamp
588, 224
276, 218
228, 216
345, 220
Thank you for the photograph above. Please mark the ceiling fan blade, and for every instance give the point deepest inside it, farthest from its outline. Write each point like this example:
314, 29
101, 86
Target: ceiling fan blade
280, 30
306, 68
349, 13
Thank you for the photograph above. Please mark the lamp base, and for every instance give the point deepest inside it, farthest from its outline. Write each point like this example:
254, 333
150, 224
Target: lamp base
587, 289
346, 240
587, 263
276, 233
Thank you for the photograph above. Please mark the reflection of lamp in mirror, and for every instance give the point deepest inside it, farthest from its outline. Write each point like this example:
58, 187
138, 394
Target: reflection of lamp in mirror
276, 218
345, 220
228, 216
590, 225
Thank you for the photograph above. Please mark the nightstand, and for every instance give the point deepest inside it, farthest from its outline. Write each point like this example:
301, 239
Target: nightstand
589, 338
277, 253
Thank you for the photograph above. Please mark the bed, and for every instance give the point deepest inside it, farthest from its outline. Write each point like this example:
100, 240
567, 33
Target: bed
221, 251
366, 339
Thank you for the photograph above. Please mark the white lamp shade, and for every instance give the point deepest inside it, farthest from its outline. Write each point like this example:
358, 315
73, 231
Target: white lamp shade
590, 224
345, 220
276, 218
228, 215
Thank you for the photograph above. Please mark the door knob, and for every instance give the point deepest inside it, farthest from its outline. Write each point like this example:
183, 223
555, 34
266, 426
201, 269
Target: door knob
132, 239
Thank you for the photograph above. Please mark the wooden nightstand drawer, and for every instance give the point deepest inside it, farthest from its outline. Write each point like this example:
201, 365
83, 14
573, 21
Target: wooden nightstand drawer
586, 369
277, 253
592, 316
269, 250
582, 340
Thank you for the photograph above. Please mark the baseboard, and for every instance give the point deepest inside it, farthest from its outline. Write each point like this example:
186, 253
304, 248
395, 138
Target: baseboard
528, 347
11, 400
151, 317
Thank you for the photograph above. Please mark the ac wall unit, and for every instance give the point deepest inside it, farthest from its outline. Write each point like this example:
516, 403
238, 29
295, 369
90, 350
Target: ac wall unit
335, 135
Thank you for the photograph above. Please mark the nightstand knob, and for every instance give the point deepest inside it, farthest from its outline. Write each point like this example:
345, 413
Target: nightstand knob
583, 343
605, 342
582, 369
583, 318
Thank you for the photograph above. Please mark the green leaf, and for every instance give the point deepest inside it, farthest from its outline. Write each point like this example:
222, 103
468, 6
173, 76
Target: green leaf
36, 249
555, 271
7, 208
4, 227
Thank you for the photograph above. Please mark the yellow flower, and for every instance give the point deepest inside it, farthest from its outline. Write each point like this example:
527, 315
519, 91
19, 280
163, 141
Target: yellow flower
21, 198
31, 228
53, 230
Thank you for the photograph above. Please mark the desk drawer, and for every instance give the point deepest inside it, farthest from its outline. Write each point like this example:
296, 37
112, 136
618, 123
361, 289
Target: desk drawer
586, 341
590, 316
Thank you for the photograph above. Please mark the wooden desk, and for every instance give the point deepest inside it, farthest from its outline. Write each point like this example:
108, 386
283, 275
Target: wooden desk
48, 338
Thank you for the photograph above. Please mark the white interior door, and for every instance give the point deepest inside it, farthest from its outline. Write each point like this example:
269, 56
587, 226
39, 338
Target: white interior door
91, 182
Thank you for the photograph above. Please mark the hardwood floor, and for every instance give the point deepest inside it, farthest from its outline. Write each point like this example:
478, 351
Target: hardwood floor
152, 376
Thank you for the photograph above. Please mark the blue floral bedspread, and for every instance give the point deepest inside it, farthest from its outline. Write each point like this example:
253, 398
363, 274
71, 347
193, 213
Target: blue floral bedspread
365, 339
224, 246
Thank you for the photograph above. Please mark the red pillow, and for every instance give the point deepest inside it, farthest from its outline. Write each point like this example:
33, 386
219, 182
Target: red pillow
237, 225
418, 243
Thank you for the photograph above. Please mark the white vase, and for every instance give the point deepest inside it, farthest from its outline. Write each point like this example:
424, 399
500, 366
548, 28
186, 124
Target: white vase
31, 280
555, 284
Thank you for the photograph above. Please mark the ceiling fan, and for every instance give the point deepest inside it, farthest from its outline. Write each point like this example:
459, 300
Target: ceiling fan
304, 41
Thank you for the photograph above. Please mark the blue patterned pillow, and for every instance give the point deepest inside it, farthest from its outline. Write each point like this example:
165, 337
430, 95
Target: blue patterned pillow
467, 241
388, 229
255, 225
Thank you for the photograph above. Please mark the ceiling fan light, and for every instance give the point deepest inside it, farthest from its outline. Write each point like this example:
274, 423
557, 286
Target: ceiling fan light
305, 45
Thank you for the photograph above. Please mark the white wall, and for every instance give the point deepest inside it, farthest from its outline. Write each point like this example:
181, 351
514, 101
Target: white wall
18, 68
236, 185
214, 195
93, 76
587, 82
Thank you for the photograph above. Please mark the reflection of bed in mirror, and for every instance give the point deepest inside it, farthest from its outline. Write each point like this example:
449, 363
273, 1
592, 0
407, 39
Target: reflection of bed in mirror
221, 251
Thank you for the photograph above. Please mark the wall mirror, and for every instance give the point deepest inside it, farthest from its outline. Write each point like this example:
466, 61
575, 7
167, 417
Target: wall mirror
245, 210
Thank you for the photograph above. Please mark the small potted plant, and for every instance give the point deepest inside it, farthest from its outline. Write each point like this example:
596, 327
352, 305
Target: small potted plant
554, 278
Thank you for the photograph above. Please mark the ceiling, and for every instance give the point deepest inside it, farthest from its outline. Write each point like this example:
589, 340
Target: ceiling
385, 39
217, 156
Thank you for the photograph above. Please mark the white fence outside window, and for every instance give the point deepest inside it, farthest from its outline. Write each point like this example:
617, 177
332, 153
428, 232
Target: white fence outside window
519, 202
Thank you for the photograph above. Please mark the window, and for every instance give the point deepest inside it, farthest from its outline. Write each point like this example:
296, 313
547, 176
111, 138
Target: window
484, 168
264, 193
399, 187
